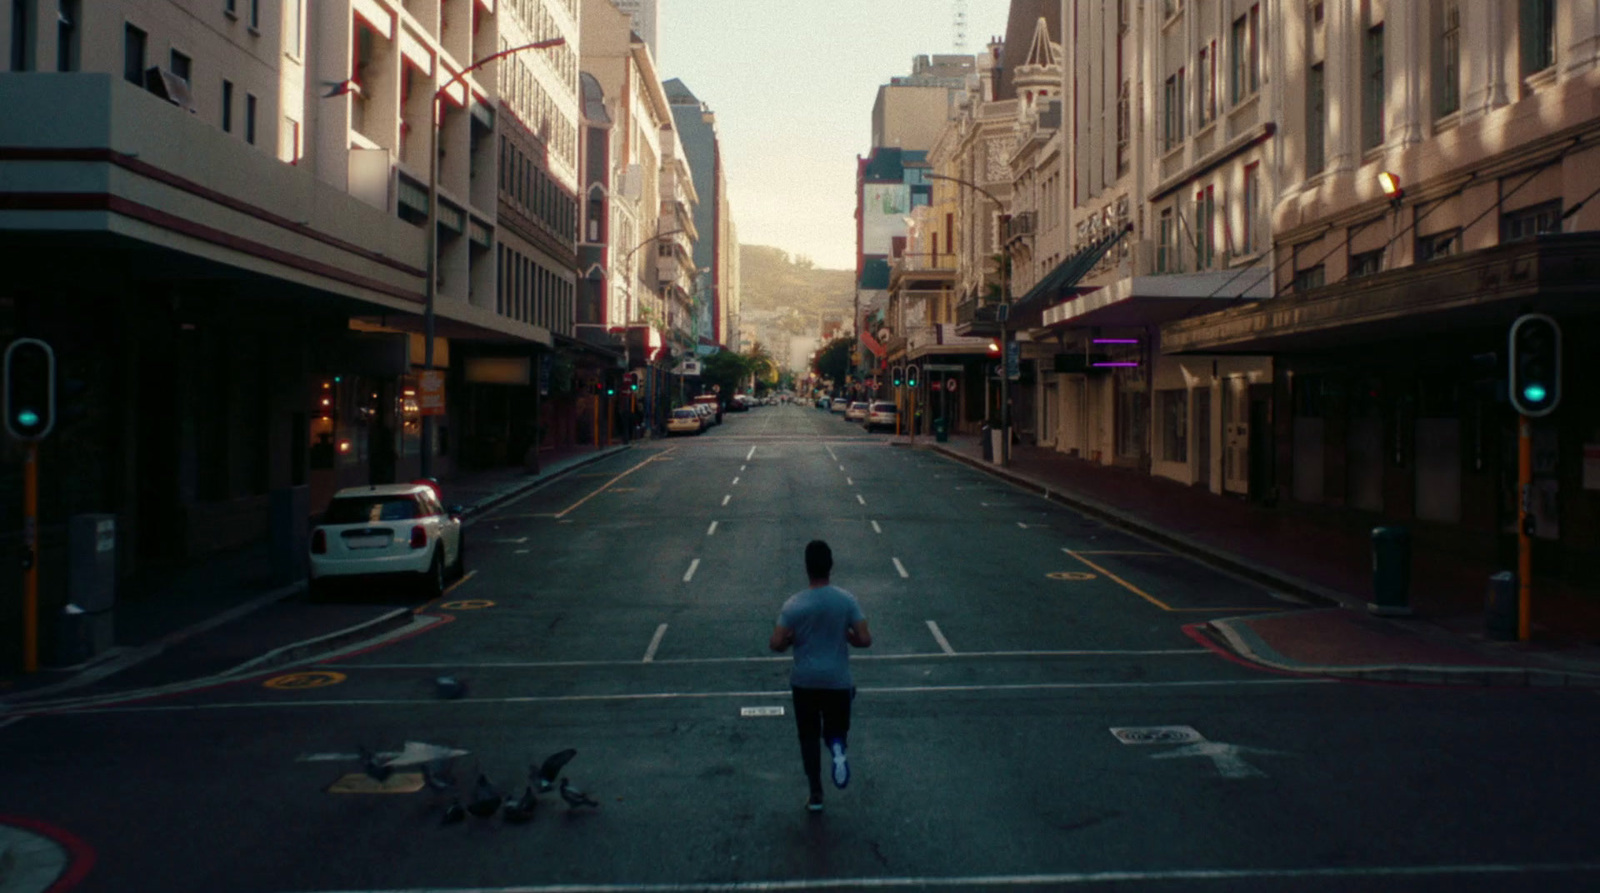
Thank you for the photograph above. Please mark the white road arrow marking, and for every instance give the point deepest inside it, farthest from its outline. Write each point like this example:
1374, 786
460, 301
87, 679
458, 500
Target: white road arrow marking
1226, 756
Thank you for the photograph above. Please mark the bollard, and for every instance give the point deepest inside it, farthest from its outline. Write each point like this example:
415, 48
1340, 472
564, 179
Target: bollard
1500, 608
1391, 572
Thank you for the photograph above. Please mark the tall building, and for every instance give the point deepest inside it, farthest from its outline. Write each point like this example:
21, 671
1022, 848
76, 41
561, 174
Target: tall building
909, 111
642, 18
714, 256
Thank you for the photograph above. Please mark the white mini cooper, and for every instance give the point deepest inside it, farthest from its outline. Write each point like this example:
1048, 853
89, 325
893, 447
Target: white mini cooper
398, 531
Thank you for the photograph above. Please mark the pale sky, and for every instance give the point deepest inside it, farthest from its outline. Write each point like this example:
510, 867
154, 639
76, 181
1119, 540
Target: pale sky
792, 84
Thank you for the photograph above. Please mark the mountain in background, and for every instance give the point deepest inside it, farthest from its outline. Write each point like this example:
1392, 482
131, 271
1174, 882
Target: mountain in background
792, 288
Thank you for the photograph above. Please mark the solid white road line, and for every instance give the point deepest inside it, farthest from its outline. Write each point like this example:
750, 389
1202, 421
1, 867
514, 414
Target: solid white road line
944, 644
900, 567
861, 499
701, 695
1164, 877
876, 528
563, 664
726, 498
655, 642
689, 575
711, 531
750, 455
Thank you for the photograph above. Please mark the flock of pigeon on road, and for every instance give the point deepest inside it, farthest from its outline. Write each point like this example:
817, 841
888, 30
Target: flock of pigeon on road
435, 763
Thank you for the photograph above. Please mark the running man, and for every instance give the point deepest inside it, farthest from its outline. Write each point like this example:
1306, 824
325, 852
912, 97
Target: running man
821, 623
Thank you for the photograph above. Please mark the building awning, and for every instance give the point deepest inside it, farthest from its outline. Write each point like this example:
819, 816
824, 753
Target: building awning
1476, 290
1147, 300
1067, 274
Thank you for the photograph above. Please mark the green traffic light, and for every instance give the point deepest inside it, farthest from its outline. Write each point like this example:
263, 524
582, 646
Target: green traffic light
28, 418
1534, 393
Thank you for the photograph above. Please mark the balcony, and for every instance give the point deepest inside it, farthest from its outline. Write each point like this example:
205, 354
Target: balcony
978, 318
1020, 226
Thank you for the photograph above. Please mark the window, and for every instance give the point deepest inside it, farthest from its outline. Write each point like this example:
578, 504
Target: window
1246, 50
1529, 222
1372, 92
1538, 35
67, 53
180, 65
231, 7
227, 106
1447, 60
1124, 127
290, 139
1205, 223
1366, 263
1438, 245
1174, 107
1252, 208
1173, 407
1316, 120
255, 14
1206, 81
250, 118
133, 41
19, 35
1307, 279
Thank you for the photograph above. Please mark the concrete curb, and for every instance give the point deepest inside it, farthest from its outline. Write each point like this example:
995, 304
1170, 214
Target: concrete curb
296, 652
521, 489
1235, 631
1218, 558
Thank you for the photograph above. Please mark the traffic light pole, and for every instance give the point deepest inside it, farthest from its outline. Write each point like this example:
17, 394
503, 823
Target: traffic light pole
30, 552
1524, 526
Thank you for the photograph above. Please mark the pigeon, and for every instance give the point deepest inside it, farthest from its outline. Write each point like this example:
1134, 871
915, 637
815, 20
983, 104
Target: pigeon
376, 770
449, 687
454, 814
485, 799
547, 772
574, 797
438, 775
520, 810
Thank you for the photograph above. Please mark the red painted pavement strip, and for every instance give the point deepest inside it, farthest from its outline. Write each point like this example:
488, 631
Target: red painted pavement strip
80, 856
1336, 637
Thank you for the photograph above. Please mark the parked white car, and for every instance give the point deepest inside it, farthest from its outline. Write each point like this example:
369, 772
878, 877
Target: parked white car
686, 421
394, 531
856, 413
881, 415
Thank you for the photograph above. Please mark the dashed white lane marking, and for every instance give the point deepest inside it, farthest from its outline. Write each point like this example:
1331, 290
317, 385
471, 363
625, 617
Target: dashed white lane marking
841, 468
851, 481
689, 574
726, 498
944, 644
900, 567
710, 531
835, 456
743, 467
1022, 525
735, 482
562, 664
861, 499
12, 721
750, 455
522, 552
876, 528
655, 642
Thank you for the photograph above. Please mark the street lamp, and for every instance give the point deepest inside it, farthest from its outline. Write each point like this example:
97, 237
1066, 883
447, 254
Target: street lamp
1005, 352
432, 290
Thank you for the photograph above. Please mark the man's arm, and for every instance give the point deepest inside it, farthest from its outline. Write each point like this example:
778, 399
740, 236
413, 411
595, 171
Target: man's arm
858, 635
782, 638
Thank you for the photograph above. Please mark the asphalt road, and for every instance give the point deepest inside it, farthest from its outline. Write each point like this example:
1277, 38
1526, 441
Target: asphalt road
624, 610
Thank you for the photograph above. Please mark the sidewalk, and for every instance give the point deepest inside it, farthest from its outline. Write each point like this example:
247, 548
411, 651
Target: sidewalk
1327, 562
207, 619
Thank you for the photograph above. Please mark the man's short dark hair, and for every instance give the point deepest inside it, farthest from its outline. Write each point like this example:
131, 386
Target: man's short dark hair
819, 560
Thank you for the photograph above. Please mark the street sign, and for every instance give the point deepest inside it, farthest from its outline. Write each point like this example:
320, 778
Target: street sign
941, 367
950, 385
430, 392
1013, 358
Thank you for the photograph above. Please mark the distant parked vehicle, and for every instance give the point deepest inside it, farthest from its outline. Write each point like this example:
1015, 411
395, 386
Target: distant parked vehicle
388, 531
840, 404
686, 421
857, 412
881, 415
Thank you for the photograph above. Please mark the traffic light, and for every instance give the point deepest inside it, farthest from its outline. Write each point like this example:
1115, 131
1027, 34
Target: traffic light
631, 380
1535, 364
911, 376
898, 374
30, 389
598, 388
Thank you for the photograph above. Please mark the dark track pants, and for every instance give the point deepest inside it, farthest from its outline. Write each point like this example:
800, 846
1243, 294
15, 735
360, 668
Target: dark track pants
820, 714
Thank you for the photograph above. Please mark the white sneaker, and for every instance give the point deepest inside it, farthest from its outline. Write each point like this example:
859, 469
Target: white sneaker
841, 765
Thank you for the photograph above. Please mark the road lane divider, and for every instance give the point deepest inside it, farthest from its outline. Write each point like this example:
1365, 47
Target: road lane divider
900, 567
689, 574
607, 484
861, 499
655, 642
726, 498
876, 528
712, 530
944, 644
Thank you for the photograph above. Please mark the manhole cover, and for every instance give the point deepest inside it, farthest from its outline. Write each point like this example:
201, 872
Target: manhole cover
1157, 735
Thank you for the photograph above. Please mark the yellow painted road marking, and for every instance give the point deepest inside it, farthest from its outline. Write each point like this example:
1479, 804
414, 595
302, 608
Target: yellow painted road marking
467, 604
297, 681
1150, 598
1070, 575
607, 484
1117, 552
362, 783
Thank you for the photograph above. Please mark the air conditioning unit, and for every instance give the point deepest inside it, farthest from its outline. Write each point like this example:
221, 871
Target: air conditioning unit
169, 86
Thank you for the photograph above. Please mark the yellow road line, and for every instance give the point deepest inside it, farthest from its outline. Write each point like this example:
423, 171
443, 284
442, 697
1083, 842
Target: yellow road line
1125, 584
1117, 552
607, 484
452, 587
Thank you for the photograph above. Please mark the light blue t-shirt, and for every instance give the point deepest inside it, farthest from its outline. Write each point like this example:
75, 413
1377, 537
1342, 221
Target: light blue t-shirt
819, 618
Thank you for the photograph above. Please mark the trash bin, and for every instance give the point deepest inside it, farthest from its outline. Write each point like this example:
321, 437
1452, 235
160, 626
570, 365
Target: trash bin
988, 443
941, 431
1391, 572
72, 638
1500, 608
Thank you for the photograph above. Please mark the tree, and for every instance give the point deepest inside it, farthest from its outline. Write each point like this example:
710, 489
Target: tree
761, 364
725, 369
833, 361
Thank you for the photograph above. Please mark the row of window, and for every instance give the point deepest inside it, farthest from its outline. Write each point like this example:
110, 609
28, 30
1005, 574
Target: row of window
68, 53
1515, 226
531, 293
529, 101
1244, 53
1179, 242
527, 184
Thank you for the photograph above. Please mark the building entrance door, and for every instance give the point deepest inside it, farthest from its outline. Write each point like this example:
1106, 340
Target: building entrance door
1202, 436
1236, 436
